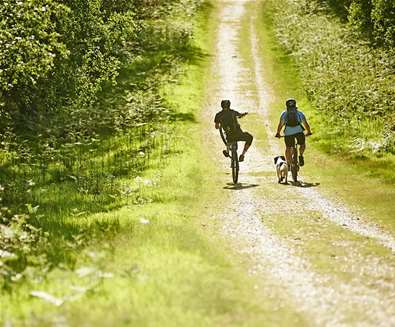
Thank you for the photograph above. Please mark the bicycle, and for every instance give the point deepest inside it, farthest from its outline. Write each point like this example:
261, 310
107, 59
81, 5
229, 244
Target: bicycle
234, 158
295, 160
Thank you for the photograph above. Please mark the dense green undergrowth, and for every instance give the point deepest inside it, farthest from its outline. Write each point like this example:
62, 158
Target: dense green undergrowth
87, 153
364, 185
350, 83
372, 19
284, 75
151, 261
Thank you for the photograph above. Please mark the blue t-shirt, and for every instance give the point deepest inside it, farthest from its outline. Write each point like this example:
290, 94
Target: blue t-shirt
289, 130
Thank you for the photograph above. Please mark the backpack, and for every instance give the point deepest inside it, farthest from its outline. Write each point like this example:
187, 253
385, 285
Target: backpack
291, 118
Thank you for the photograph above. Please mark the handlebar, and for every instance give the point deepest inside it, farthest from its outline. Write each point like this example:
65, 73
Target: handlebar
281, 135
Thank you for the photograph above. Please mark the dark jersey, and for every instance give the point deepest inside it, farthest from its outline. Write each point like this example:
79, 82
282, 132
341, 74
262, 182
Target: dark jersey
228, 121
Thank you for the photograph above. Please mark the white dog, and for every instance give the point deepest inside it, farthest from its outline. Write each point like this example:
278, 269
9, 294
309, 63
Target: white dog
282, 169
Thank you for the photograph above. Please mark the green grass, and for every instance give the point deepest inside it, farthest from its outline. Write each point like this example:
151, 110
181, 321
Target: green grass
158, 267
315, 238
163, 268
340, 88
365, 184
349, 82
149, 258
327, 248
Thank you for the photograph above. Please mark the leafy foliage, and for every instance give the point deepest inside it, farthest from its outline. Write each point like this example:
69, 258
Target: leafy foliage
350, 83
80, 111
373, 18
29, 42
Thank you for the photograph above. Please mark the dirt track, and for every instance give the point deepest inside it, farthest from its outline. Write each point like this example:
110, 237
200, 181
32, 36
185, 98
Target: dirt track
367, 296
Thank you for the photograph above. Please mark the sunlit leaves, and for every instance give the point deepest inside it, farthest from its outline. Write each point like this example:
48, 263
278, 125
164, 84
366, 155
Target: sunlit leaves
29, 42
350, 83
67, 106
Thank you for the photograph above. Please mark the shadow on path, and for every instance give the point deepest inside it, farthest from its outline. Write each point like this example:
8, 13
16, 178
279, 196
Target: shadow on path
239, 186
303, 184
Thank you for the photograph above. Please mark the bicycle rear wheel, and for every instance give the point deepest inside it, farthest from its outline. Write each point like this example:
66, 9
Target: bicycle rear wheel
294, 164
235, 165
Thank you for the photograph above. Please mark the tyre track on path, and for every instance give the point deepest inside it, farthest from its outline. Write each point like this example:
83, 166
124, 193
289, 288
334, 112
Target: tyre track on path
323, 299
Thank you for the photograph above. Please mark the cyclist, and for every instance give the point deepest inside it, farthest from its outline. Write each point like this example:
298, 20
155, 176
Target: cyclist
295, 123
227, 119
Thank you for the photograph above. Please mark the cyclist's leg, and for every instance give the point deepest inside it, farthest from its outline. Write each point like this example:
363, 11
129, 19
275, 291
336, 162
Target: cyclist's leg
302, 147
247, 138
289, 144
302, 142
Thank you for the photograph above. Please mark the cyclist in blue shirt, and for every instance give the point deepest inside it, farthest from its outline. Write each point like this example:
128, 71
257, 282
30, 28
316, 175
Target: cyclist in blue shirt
295, 123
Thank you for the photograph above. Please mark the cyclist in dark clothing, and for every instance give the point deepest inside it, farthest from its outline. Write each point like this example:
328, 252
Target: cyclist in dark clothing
227, 119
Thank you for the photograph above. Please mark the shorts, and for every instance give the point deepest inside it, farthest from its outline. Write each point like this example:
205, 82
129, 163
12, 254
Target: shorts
290, 139
241, 136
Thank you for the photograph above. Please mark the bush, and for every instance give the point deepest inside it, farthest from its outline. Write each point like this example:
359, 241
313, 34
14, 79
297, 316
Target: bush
383, 21
373, 18
83, 112
59, 53
66, 52
30, 48
350, 83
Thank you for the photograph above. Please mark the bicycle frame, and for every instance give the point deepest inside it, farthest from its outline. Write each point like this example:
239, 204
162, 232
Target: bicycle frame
221, 132
232, 146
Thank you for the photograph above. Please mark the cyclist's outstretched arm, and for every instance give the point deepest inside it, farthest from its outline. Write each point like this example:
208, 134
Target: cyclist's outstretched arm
241, 114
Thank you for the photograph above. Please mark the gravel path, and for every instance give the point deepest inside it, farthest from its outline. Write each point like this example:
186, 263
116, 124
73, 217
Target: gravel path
325, 300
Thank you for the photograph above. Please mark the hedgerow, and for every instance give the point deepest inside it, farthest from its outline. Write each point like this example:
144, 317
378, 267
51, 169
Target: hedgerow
80, 111
29, 42
56, 56
60, 63
374, 19
350, 83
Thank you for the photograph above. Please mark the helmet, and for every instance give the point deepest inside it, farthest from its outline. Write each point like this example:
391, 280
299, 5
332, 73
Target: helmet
225, 104
290, 103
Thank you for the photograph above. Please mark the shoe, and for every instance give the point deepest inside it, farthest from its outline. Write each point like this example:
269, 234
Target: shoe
241, 158
226, 153
301, 161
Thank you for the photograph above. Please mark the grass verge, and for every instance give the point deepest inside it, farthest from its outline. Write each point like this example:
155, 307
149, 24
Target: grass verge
366, 185
153, 263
